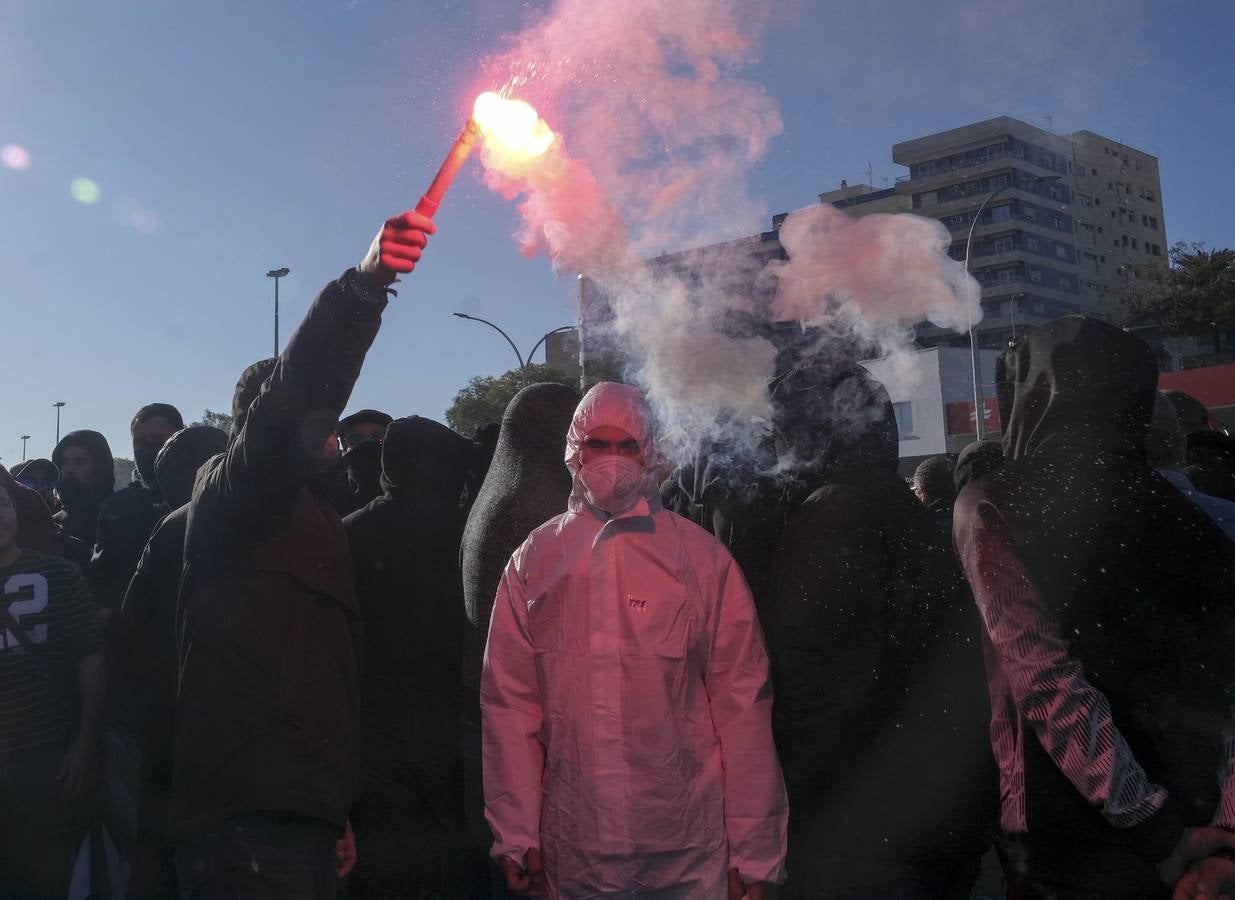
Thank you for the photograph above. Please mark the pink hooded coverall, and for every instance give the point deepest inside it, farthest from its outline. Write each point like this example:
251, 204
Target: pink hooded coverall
626, 698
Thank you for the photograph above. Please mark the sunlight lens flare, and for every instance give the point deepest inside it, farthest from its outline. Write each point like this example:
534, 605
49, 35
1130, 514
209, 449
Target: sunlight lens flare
511, 127
15, 157
85, 191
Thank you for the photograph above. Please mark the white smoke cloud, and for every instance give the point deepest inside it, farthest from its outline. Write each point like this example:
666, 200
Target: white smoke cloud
658, 133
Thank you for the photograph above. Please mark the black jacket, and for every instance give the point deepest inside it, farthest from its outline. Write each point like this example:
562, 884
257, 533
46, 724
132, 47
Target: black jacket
143, 633
881, 712
126, 519
405, 558
78, 519
526, 485
268, 709
1137, 579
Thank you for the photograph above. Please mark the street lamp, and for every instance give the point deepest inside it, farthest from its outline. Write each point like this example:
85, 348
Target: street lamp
547, 335
59, 404
276, 274
979, 412
24, 438
523, 363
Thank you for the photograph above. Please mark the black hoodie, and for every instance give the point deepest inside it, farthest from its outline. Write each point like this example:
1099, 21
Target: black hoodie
405, 556
78, 519
269, 626
526, 485
1080, 550
880, 712
143, 634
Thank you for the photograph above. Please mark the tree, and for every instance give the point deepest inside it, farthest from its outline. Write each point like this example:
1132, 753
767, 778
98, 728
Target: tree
1196, 293
221, 421
486, 397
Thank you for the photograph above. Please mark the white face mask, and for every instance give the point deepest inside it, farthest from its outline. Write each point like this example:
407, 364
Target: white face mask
612, 483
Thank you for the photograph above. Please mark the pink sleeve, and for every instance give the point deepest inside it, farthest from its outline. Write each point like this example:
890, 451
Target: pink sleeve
1071, 719
511, 716
740, 697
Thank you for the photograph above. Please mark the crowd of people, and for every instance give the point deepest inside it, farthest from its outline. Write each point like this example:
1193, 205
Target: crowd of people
327, 655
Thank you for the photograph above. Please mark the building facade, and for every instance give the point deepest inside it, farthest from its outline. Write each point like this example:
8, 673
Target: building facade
1072, 223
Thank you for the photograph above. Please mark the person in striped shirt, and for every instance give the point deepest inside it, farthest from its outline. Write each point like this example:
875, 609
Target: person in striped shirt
52, 685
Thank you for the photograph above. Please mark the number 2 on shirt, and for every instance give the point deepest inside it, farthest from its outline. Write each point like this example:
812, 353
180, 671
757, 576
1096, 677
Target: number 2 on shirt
36, 585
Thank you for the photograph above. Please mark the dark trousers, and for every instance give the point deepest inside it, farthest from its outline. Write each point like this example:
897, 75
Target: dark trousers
260, 856
39, 833
1048, 868
940, 879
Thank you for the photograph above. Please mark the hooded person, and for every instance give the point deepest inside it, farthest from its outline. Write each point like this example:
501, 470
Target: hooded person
143, 642
880, 711
625, 696
360, 437
408, 817
35, 529
128, 516
525, 485
1105, 596
1168, 449
976, 460
87, 478
266, 752
40, 475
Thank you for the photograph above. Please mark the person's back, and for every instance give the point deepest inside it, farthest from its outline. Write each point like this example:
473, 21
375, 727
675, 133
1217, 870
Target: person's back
1106, 599
409, 814
880, 711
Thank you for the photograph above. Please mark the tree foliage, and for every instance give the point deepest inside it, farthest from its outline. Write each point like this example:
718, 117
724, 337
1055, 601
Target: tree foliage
1195, 293
486, 396
221, 421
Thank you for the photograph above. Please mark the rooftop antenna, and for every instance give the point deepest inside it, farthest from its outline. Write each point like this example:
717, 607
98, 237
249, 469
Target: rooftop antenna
1050, 123
870, 177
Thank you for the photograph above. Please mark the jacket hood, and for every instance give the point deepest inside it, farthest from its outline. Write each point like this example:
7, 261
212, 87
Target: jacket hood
831, 417
534, 423
976, 460
616, 405
96, 445
420, 452
1077, 383
176, 465
364, 415
247, 389
37, 468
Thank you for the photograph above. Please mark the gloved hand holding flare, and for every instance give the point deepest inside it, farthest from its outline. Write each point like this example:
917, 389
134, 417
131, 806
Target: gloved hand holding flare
512, 129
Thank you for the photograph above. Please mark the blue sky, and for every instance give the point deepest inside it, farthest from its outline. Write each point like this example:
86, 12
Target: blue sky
230, 138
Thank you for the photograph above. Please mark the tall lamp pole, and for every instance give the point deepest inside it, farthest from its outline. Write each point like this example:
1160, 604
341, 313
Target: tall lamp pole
24, 438
979, 411
59, 404
518, 355
276, 274
547, 335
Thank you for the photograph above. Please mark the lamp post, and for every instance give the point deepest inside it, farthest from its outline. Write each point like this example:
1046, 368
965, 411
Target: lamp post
276, 274
523, 363
547, 335
24, 438
979, 411
59, 404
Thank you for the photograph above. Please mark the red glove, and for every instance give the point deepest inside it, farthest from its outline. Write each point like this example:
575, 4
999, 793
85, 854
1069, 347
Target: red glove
397, 248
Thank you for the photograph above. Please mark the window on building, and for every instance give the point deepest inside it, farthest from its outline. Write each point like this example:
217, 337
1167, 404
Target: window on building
1106, 150
1005, 276
1149, 195
1134, 247
1145, 220
1065, 283
1093, 171
1153, 222
1035, 274
1099, 229
1102, 258
1061, 251
1054, 191
1110, 186
1003, 245
1097, 201
1056, 221
1001, 213
1125, 237
904, 419
1031, 242
1128, 190
1029, 212
997, 182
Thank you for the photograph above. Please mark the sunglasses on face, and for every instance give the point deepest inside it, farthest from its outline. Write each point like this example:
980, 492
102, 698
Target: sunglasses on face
356, 438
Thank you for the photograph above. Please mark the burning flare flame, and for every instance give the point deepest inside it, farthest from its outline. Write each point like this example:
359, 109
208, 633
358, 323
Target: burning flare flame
511, 128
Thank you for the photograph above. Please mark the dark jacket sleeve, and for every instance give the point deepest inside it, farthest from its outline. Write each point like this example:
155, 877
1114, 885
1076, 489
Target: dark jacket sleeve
309, 386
